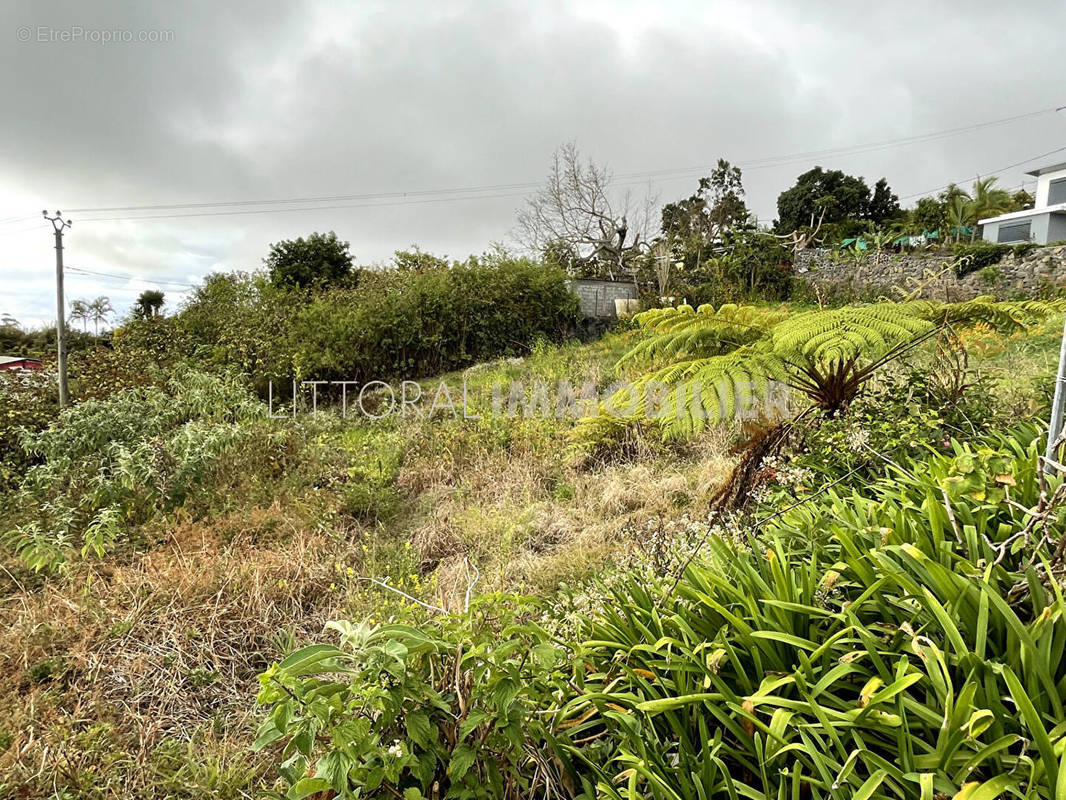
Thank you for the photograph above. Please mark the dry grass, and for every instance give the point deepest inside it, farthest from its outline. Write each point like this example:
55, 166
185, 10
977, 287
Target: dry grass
531, 517
165, 645
137, 676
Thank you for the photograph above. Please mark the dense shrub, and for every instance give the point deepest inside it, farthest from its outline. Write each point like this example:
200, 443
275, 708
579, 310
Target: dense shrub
978, 255
29, 401
408, 323
107, 465
419, 324
448, 710
911, 409
890, 642
240, 320
899, 640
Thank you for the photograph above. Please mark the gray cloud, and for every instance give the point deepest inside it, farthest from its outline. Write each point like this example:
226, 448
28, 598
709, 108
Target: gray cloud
267, 100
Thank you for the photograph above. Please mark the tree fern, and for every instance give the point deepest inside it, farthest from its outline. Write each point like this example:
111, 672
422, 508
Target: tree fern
710, 359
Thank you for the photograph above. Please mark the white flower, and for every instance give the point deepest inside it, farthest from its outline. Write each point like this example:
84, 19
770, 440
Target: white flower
396, 750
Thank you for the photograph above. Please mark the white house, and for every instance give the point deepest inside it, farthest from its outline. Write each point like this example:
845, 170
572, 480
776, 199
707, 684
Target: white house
1044, 223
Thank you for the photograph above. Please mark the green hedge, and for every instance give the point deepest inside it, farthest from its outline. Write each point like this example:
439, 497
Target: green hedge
410, 325
978, 255
394, 324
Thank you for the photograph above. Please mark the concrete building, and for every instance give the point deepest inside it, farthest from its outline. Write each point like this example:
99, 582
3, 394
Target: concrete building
598, 297
1045, 222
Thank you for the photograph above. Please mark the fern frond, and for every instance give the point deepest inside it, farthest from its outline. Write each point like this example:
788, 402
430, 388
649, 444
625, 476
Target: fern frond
684, 333
1002, 316
715, 357
695, 393
845, 334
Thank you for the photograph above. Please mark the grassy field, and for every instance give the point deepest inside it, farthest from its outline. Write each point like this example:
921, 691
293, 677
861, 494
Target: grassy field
135, 676
138, 674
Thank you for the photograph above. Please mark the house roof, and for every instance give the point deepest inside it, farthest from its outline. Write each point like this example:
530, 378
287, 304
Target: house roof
1036, 173
13, 359
1058, 208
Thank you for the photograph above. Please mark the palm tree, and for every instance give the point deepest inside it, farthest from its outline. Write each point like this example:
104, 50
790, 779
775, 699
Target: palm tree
79, 310
960, 212
988, 200
149, 304
99, 311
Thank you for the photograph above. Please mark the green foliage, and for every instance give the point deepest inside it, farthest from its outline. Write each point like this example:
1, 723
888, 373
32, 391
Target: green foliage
840, 196
884, 204
149, 304
370, 493
928, 214
717, 206
754, 265
241, 320
978, 255
422, 320
879, 643
417, 324
29, 401
105, 465
827, 355
910, 410
320, 260
451, 709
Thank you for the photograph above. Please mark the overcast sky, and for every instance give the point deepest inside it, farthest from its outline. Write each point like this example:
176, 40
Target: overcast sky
263, 101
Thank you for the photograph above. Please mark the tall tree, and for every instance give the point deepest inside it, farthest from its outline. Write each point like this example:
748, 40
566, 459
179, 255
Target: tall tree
988, 200
1021, 200
960, 213
716, 207
838, 195
319, 260
100, 310
79, 311
928, 214
149, 304
884, 204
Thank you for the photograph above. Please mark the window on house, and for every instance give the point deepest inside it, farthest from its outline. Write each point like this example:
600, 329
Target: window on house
1014, 232
1056, 192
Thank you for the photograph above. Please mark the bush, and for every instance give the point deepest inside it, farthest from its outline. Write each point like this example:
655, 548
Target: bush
416, 324
896, 641
978, 255
29, 401
893, 642
240, 321
106, 465
448, 710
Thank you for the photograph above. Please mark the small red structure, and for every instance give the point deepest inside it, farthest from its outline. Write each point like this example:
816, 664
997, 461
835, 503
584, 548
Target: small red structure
19, 362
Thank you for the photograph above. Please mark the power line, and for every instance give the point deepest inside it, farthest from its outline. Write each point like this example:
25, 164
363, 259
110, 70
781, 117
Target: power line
494, 191
144, 278
308, 208
987, 172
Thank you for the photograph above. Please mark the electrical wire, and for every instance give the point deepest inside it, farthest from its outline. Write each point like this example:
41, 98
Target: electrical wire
495, 191
146, 279
986, 172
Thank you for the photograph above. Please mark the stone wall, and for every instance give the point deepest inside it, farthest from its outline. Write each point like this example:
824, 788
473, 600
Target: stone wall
894, 274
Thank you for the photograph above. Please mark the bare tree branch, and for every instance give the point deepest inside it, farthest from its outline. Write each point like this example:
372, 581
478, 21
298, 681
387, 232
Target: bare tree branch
575, 213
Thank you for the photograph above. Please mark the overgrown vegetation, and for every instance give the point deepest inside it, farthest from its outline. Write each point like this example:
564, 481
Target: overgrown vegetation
859, 595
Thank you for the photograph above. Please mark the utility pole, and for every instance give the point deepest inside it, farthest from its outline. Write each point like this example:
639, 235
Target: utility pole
59, 225
1059, 400
1055, 428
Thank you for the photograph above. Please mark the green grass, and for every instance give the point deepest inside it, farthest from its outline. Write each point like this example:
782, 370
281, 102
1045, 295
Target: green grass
203, 598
